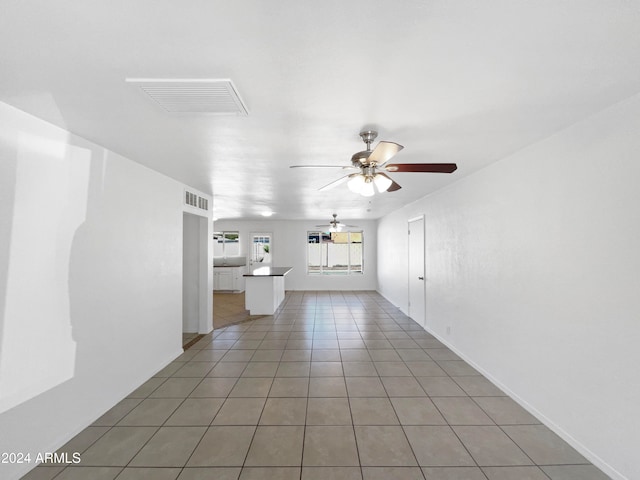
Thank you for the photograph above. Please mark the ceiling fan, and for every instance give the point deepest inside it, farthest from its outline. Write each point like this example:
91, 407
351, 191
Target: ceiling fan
336, 226
372, 165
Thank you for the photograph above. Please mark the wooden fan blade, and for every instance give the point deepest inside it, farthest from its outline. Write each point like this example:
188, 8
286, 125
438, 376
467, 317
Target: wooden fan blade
383, 152
394, 186
422, 167
335, 183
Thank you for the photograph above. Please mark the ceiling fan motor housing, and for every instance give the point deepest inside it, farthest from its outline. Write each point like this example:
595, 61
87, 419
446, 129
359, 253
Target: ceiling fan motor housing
361, 158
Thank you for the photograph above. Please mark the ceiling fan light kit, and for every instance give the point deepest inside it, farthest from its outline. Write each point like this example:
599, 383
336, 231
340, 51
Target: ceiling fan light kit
372, 165
335, 226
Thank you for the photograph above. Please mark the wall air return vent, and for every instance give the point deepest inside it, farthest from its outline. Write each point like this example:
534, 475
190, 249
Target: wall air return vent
195, 201
200, 96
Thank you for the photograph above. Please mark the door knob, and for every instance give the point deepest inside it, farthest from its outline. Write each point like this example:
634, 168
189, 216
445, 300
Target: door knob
420, 278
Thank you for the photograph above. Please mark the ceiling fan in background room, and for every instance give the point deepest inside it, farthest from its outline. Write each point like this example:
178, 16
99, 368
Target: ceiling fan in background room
336, 226
372, 165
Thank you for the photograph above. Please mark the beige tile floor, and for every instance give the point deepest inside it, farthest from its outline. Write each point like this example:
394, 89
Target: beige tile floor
336, 385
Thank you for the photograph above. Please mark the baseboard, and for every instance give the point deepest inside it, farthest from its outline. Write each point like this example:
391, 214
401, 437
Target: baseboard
566, 436
86, 422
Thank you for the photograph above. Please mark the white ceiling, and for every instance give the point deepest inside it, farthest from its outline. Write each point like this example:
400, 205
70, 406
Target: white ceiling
453, 81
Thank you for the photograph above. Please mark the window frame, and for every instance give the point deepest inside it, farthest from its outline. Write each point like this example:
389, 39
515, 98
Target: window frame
321, 236
224, 234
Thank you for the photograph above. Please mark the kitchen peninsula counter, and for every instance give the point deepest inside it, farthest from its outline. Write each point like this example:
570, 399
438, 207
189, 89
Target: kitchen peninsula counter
264, 289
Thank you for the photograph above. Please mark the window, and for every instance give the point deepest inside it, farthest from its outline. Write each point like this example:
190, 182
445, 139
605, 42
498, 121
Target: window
334, 253
226, 244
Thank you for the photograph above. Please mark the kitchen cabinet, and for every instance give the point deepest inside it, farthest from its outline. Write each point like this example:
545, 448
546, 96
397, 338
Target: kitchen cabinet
228, 278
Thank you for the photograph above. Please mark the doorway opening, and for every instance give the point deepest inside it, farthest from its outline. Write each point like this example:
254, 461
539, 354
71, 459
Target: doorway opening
196, 295
260, 249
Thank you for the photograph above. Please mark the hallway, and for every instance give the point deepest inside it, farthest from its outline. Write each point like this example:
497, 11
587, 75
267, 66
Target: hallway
336, 385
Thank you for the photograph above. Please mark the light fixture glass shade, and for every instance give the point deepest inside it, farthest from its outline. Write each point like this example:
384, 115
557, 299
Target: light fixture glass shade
355, 183
367, 189
382, 183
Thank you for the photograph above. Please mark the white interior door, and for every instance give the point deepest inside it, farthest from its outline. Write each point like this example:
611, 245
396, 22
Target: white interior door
260, 249
417, 290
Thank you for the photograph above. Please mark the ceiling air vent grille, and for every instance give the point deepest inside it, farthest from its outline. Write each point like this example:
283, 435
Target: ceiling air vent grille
195, 201
209, 96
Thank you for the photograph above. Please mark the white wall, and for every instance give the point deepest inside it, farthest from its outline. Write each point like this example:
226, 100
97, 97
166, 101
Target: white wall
90, 266
534, 263
289, 250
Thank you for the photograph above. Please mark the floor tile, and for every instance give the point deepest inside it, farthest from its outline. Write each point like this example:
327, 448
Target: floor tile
43, 473
331, 473
417, 411
293, 369
331, 355
169, 447
490, 446
176, 388
505, 411
365, 387
289, 387
392, 473
195, 369
260, 369
147, 388
453, 473
383, 446
387, 354
296, 356
392, 369
328, 411
543, 446
117, 413
195, 412
357, 355
326, 369
149, 473
284, 411
94, 473
425, 369
275, 398
228, 369
514, 473
82, 441
441, 387
478, 386
372, 411
239, 411
437, 446
414, 355
118, 446
251, 387
210, 473
270, 473
461, 411
330, 446
223, 446
276, 446
208, 355
359, 369
267, 356
402, 387
574, 472
327, 387
152, 411
441, 354
214, 387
